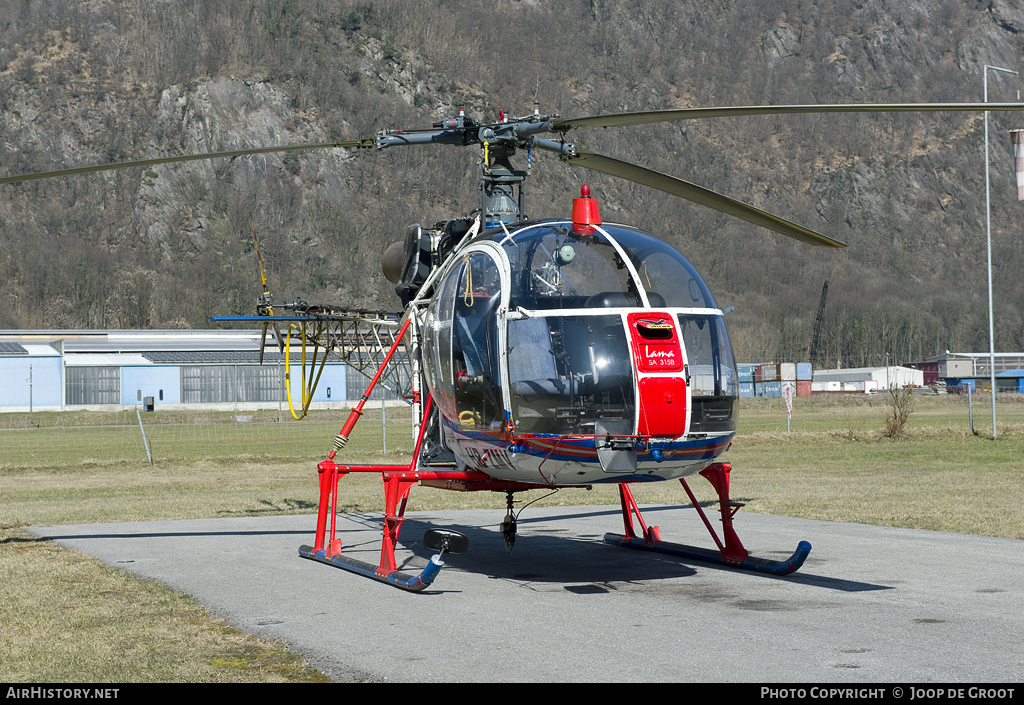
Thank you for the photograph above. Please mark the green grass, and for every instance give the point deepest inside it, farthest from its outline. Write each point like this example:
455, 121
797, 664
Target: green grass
66, 617
63, 440
941, 480
860, 413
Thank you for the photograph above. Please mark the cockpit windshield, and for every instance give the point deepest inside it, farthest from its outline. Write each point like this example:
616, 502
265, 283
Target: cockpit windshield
668, 278
555, 267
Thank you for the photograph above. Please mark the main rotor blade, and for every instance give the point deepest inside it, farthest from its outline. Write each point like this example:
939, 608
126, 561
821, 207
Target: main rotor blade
651, 116
699, 194
364, 142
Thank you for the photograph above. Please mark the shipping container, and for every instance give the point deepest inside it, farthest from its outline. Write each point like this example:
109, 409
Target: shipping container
769, 372
787, 371
745, 371
769, 389
804, 372
803, 387
960, 385
746, 389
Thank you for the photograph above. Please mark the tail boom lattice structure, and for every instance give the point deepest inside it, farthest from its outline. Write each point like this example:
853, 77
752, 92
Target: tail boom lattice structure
359, 338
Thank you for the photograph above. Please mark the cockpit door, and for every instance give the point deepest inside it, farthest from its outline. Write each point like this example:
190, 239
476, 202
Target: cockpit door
461, 343
660, 363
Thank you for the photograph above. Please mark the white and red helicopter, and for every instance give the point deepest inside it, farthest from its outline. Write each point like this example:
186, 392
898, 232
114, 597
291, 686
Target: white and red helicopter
540, 354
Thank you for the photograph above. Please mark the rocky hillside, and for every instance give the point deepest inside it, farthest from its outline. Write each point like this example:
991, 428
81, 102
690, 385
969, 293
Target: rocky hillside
101, 81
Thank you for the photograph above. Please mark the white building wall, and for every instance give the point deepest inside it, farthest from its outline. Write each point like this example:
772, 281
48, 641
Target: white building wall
880, 377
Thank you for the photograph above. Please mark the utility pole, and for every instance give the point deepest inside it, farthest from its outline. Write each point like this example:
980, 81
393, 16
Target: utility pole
988, 237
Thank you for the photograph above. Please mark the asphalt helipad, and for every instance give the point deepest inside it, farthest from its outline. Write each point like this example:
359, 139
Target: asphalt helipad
871, 604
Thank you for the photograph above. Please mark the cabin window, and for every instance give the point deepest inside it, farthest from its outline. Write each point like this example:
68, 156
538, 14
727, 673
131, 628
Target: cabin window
711, 365
461, 346
566, 372
712, 374
475, 373
437, 343
668, 278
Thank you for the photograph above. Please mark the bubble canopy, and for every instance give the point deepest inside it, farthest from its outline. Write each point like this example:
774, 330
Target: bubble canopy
523, 328
554, 265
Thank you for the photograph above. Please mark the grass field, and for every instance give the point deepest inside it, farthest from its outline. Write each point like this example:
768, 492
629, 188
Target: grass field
65, 617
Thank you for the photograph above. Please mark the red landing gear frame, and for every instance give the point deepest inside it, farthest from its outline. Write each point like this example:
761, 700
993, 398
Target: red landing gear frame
730, 553
398, 481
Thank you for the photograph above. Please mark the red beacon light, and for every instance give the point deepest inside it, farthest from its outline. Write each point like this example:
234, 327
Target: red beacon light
584, 209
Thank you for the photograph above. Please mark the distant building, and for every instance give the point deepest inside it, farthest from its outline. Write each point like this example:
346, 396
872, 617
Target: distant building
973, 370
866, 379
54, 370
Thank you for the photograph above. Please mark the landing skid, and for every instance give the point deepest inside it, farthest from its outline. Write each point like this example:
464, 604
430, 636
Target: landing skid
760, 565
730, 551
412, 583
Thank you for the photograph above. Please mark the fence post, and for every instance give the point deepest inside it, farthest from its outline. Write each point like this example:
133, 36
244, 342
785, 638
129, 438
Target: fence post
145, 443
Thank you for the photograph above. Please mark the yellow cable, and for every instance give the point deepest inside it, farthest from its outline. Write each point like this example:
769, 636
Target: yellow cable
467, 297
307, 390
308, 396
288, 371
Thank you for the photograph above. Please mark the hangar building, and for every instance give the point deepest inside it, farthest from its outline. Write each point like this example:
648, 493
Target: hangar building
96, 369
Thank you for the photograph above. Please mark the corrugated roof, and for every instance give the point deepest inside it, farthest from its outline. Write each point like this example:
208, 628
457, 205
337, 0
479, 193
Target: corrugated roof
106, 360
204, 357
115, 341
143, 344
41, 350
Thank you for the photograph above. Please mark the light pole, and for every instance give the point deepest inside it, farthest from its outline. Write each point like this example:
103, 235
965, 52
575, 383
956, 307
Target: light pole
988, 237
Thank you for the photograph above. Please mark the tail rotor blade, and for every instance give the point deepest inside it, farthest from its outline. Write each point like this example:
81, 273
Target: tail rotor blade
263, 305
278, 339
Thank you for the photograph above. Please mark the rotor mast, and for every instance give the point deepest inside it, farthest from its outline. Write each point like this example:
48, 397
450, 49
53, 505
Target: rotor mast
498, 181
501, 184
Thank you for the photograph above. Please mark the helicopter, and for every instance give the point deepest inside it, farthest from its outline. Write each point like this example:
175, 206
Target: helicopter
555, 353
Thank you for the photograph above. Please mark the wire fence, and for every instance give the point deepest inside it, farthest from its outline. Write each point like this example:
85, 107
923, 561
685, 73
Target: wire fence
63, 439
861, 414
